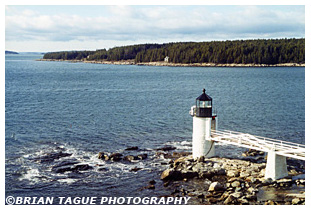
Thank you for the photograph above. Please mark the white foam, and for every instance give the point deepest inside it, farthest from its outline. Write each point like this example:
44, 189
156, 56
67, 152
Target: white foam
67, 181
31, 175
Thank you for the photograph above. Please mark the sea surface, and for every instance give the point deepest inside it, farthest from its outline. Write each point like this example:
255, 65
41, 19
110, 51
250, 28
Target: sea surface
82, 109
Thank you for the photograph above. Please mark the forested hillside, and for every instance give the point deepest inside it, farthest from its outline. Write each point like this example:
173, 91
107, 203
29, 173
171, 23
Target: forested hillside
272, 51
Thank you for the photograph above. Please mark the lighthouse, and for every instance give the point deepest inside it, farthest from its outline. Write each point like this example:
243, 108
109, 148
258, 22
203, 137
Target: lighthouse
204, 121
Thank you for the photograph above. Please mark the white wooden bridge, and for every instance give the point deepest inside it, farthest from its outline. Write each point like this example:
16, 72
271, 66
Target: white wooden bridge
283, 148
277, 150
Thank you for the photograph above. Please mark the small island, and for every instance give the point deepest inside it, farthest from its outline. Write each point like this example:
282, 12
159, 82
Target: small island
260, 53
11, 52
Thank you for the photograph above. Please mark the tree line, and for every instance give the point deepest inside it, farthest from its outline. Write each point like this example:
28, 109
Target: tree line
261, 51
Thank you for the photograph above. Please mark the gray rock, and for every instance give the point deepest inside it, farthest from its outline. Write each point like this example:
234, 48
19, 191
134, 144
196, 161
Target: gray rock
115, 157
152, 182
201, 159
76, 168
237, 189
50, 157
206, 174
216, 186
132, 148
151, 186
243, 201
103, 156
270, 202
171, 174
251, 197
135, 169
103, 169
189, 174
235, 184
230, 200
82, 167
219, 171
64, 164
142, 156
295, 201
267, 182
252, 190
233, 173
284, 181
130, 158
166, 148
237, 194
244, 174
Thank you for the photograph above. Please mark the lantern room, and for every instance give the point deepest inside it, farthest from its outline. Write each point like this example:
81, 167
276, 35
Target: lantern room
203, 106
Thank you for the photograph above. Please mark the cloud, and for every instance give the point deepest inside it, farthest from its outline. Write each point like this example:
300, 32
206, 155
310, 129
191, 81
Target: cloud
156, 23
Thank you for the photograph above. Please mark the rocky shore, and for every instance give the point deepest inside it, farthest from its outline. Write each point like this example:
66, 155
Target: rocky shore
162, 63
220, 180
216, 180
232, 181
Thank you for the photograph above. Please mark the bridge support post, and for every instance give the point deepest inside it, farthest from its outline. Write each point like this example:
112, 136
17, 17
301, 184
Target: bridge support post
276, 166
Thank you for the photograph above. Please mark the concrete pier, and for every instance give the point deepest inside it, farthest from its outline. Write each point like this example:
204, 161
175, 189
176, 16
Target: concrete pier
276, 167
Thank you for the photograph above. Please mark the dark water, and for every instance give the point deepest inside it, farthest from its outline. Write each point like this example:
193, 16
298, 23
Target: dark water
81, 109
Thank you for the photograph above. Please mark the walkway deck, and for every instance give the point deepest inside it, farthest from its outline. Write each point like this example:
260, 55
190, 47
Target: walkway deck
283, 148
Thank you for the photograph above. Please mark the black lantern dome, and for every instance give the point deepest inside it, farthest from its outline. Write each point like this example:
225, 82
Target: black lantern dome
203, 105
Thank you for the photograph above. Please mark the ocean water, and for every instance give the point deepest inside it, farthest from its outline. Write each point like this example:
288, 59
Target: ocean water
82, 109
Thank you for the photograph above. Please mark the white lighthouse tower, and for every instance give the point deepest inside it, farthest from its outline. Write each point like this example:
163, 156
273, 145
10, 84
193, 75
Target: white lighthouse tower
203, 123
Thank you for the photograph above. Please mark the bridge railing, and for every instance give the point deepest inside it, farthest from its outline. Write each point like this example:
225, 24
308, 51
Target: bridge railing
284, 148
270, 140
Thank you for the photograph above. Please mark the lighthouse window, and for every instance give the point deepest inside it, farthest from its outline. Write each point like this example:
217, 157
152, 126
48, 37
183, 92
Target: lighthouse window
205, 104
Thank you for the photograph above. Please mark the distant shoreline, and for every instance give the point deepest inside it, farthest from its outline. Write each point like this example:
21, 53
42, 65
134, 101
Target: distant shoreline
162, 63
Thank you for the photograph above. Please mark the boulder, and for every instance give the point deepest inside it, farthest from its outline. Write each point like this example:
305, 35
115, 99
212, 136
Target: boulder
268, 181
115, 156
76, 168
270, 202
142, 156
216, 186
103, 169
235, 184
131, 148
237, 194
130, 158
152, 182
243, 201
251, 197
151, 186
295, 201
233, 173
189, 174
219, 171
135, 169
244, 174
224, 196
207, 174
103, 156
82, 167
50, 157
285, 181
63, 169
166, 148
200, 159
64, 164
171, 174
252, 180
182, 160
252, 190
230, 200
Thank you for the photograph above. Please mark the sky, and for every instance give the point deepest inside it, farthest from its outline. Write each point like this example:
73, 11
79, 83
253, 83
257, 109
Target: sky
58, 28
